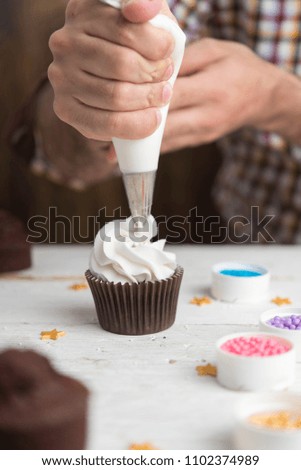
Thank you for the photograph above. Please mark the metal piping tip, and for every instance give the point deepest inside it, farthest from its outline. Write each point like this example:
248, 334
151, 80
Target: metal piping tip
139, 188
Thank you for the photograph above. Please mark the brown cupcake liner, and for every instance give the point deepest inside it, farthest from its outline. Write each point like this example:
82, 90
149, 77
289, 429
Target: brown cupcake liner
136, 309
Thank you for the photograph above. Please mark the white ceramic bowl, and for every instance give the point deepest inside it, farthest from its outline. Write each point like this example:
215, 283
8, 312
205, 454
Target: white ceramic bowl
292, 335
249, 436
249, 289
255, 373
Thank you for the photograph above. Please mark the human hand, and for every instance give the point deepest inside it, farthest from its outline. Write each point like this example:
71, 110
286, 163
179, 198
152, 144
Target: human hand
221, 87
63, 155
110, 69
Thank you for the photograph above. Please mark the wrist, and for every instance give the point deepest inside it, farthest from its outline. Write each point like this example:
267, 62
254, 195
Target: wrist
279, 104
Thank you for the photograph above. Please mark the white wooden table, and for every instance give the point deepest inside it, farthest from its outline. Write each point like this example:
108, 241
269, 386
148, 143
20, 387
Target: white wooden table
143, 388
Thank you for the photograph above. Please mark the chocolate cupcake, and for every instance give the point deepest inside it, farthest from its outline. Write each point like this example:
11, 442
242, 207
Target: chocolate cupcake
14, 249
135, 283
39, 408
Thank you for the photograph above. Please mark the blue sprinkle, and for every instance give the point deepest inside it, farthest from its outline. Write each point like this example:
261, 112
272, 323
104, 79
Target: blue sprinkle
239, 273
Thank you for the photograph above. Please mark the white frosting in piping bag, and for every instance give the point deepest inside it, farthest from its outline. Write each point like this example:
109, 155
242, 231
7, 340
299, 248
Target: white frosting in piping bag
123, 254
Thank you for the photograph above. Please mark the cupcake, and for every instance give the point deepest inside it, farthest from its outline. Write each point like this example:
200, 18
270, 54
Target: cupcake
39, 408
14, 249
134, 282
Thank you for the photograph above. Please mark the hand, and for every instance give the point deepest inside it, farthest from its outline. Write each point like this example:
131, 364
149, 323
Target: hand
110, 69
63, 154
222, 86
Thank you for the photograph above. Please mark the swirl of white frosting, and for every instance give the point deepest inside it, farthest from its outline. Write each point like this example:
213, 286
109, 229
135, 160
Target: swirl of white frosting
124, 253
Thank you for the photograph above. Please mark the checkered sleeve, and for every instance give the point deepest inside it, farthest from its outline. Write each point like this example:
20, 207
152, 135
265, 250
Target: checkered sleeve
193, 16
277, 39
259, 168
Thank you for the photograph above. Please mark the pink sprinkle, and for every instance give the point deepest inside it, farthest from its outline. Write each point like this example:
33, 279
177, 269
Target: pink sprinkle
254, 346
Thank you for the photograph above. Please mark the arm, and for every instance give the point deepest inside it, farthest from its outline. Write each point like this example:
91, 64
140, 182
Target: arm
39, 139
63, 154
51, 148
224, 86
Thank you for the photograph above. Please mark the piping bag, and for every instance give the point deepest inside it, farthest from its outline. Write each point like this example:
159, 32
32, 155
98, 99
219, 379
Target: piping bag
138, 159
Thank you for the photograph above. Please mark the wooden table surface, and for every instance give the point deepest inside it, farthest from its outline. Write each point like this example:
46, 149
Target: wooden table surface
143, 388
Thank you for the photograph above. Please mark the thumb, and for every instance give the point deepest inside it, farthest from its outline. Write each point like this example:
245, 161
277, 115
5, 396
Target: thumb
141, 11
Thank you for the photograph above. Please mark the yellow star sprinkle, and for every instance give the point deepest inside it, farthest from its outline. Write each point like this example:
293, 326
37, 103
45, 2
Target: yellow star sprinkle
281, 301
277, 420
53, 334
144, 446
200, 301
208, 369
78, 287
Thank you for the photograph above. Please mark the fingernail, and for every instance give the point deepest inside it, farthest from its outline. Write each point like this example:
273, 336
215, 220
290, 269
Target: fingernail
159, 117
166, 93
168, 72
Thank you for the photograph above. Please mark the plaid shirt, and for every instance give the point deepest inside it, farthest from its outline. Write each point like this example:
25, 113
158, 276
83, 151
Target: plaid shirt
259, 168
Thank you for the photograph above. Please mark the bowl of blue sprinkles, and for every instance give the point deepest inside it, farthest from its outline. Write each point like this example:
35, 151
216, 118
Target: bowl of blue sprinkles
240, 282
